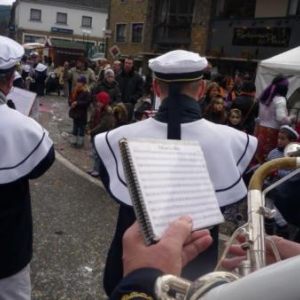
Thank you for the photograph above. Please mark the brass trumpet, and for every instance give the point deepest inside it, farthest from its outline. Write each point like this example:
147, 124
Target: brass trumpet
253, 231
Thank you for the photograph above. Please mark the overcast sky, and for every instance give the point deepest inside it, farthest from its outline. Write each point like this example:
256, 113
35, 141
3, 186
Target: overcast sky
6, 2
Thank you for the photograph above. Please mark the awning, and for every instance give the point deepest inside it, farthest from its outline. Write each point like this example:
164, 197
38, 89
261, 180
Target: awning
31, 46
56, 43
233, 59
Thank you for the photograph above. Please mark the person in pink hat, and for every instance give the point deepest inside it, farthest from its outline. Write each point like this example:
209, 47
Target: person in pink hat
102, 120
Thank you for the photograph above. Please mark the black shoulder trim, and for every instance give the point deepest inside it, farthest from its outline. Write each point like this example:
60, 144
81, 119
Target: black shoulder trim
22, 161
245, 150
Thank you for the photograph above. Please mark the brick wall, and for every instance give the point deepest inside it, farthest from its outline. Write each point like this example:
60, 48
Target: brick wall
200, 29
131, 11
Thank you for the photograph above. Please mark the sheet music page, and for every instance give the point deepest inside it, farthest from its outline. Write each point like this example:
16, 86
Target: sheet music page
22, 99
174, 181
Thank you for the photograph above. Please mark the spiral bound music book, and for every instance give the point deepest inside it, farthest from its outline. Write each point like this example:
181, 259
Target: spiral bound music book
167, 179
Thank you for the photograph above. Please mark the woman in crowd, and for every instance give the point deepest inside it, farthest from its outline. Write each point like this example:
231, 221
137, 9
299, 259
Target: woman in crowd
109, 86
272, 114
79, 102
215, 111
213, 90
227, 91
247, 103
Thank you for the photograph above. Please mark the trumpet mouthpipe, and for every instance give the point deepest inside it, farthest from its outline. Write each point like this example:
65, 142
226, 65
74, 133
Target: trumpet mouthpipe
263, 171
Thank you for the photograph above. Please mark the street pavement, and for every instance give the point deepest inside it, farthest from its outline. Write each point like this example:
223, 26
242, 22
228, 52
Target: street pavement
74, 218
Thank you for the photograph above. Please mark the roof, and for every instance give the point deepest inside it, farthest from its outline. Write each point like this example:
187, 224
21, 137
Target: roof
67, 44
91, 4
288, 60
286, 63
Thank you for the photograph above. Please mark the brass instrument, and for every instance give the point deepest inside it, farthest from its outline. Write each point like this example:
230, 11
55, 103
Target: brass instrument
253, 231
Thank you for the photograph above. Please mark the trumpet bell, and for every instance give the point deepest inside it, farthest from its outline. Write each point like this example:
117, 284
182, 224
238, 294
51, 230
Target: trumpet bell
292, 150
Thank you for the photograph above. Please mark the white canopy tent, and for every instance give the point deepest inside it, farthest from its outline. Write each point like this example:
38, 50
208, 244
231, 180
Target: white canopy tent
286, 63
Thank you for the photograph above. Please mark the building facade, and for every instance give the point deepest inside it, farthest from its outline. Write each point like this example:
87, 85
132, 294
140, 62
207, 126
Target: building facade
233, 34
66, 27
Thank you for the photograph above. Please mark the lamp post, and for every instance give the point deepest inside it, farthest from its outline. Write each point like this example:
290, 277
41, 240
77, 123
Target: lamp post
85, 34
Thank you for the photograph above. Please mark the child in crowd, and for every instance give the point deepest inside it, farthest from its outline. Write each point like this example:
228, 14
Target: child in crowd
235, 119
123, 114
215, 111
79, 101
286, 136
102, 120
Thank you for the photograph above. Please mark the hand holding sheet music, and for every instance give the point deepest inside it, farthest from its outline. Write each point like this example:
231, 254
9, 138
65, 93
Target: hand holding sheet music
167, 179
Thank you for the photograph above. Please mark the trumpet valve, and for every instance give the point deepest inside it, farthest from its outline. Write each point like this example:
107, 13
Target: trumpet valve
269, 213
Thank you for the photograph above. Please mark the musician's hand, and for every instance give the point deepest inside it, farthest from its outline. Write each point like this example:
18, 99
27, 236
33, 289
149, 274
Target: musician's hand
176, 248
286, 249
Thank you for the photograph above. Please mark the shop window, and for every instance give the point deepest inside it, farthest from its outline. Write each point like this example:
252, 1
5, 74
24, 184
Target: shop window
294, 8
236, 8
137, 33
86, 22
120, 33
61, 18
174, 21
34, 39
35, 15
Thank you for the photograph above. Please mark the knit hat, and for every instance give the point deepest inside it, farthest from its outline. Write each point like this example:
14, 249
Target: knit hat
109, 72
103, 97
82, 79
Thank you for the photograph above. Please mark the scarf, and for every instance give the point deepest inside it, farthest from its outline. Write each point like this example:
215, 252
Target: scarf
252, 94
77, 90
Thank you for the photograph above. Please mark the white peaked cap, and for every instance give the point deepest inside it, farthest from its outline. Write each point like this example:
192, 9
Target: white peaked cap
40, 67
291, 130
26, 68
11, 53
33, 53
178, 65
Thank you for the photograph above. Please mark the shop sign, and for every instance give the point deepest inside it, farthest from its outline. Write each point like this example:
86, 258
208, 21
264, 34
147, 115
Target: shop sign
61, 30
264, 37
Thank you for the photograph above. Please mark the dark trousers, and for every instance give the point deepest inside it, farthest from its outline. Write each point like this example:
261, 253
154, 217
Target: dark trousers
78, 127
113, 273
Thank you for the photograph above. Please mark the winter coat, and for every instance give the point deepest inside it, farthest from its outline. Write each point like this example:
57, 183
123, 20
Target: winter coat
101, 121
131, 86
111, 89
83, 100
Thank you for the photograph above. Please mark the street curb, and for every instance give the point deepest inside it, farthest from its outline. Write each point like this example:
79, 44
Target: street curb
77, 170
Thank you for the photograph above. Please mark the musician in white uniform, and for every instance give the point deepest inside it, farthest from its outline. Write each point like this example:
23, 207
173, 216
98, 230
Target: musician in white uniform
227, 151
27, 152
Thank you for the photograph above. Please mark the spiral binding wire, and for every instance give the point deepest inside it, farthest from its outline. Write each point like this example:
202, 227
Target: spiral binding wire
136, 193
